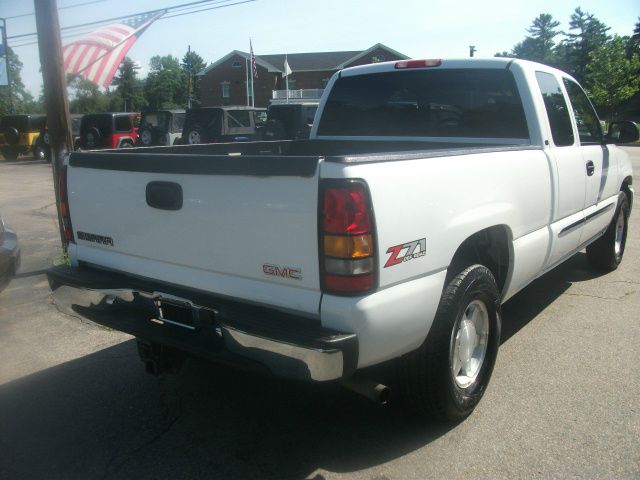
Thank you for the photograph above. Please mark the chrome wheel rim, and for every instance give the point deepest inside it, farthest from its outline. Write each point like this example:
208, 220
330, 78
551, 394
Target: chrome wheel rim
146, 137
619, 234
194, 137
470, 344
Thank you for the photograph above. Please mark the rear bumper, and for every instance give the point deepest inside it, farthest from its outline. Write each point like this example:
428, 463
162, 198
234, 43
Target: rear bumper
221, 329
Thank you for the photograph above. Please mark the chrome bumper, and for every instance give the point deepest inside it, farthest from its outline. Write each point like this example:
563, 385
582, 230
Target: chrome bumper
217, 328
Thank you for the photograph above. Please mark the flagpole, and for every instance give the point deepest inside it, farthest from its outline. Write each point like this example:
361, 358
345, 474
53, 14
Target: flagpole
253, 57
246, 71
286, 78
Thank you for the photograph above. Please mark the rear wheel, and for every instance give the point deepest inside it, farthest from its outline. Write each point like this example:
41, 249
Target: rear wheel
606, 252
194, 135
39, 153
447, 376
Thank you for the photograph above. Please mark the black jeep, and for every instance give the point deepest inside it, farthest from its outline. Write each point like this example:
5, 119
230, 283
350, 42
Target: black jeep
222, 124
161, 127
42, 150
291, 121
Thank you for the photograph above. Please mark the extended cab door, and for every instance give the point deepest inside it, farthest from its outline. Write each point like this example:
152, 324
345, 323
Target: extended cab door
567, 217
600, 170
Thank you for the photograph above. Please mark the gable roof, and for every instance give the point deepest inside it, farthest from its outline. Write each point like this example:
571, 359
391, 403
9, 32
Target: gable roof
305, 62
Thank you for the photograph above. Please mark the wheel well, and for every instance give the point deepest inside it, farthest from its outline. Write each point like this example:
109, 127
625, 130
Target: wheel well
488, 247
627, 190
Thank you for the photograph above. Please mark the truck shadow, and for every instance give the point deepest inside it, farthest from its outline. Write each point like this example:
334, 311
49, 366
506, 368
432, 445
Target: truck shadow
101, 416
523, 307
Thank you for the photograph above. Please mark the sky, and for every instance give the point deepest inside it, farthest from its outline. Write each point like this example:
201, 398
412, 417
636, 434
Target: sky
417, 28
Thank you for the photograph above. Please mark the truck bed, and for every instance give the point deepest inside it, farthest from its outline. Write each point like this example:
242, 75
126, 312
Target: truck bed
337, 151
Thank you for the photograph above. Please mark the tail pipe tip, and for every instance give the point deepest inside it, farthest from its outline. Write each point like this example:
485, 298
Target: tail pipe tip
370, 389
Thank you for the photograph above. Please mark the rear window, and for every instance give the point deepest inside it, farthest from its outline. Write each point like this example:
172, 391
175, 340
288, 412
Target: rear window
101, 122
123, 123
479, 103
238, 119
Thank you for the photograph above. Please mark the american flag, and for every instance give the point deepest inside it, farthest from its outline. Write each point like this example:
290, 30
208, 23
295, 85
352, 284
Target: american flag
254, 67
98, 55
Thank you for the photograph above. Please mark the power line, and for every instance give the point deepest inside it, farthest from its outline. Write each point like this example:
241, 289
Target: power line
205, 9
59, 8
167, 9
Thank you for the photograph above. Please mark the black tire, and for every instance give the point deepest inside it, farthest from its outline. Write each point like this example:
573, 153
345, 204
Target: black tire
11, 135
39, 153
145, 134
188, 139
127, 144
429, 387
606, 252
92, 139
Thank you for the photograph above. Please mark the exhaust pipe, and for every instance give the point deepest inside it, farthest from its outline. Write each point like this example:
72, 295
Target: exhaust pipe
374, 391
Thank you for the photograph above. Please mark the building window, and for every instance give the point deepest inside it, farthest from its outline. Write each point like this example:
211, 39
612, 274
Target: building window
225, 90
292, 84
236, 64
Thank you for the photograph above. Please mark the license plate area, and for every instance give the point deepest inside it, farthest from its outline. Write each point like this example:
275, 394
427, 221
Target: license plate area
175, 311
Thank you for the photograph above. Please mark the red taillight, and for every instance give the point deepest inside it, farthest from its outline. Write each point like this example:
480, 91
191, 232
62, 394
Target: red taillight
345, 211
433, 62
347, 247
64, 206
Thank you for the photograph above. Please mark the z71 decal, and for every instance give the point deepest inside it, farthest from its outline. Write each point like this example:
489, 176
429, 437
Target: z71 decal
406, 251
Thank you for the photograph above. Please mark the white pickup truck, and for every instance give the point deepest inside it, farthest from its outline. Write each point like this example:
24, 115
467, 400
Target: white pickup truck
429, 193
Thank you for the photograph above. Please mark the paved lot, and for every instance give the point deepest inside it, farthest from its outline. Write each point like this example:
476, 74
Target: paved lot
74, 402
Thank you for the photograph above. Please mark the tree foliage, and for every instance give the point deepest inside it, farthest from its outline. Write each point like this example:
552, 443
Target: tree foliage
607, 67
611, 77
165, 86
589, 33
539, 45
128, 95
20, 100
192, 63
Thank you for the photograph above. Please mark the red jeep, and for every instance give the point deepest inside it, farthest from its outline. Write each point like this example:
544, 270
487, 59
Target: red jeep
109, 130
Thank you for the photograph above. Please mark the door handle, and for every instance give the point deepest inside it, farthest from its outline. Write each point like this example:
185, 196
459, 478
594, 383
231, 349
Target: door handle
164, 195
590, 168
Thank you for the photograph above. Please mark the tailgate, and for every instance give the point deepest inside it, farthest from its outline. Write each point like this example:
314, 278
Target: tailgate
246, 226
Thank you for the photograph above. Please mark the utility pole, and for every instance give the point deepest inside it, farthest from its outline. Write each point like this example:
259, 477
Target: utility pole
8, 65
472, 50
55, 91
189, 69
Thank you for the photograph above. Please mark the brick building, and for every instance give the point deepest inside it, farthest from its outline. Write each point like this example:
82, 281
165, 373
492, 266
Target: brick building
224, 82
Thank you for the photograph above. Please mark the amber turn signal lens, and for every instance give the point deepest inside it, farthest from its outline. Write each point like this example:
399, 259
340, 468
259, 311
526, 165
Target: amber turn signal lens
353, 246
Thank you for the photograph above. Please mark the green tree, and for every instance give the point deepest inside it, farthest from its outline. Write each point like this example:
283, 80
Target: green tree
128, 95
539, 45
22, 100
611, 78
85, 96
192, 64
165, 86
633, 44
589, 34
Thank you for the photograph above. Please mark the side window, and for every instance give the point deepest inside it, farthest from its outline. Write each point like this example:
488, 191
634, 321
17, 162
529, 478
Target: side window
123, 124
557, 110
589, 128
238, 119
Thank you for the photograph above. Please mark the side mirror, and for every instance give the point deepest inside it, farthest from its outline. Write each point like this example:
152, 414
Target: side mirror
622, 132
